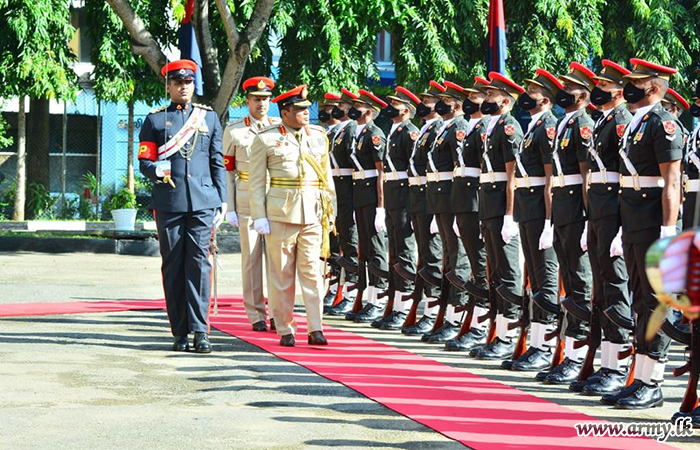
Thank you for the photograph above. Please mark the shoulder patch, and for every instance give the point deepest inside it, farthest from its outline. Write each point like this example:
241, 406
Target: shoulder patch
670, 127
460, 135
586, 132
376, 140
620, 129
551, 133
509, 130
157, 110
414, 135
199, 105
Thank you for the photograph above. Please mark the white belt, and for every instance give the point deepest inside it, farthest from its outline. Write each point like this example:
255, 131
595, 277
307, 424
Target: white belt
417, 181
434, 177
395, 176
341, 172
691, 186
528, 182
637, 182
604, 177
472, 172
493, 177
566, 180
362, 174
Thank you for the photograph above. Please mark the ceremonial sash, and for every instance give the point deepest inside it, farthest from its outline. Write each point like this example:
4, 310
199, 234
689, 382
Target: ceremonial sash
183, 136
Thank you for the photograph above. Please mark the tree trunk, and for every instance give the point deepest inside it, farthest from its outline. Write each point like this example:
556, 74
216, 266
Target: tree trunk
38, 127
21, 177
130, 149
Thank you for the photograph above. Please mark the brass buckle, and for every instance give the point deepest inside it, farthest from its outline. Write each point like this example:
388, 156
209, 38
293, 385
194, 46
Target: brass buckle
604, 175
560, 176
635, 182
492, 176
526, 177
686, 183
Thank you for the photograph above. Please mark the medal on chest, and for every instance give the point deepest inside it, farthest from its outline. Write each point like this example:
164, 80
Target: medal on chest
567, 138
640, 134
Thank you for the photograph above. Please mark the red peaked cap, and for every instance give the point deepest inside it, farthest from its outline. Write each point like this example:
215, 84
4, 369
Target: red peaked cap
646, 69
546, 81
405, 96
675, 98
330, 99
370, 100
581, 75
612, 72
505, 84
182, 69
454, 90
347, 96
434, 89
479, 83
258, 86
296, 97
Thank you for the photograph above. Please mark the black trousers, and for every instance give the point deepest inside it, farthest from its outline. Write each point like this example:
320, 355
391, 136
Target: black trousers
429, 250
609, 276
373, 246
643, 297
454, 258
575, 270
184, 248
402, 246
469, 234
542, 268
345, 223
504, 265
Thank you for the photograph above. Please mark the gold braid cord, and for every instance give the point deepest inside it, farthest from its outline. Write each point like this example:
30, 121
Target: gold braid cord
326, 200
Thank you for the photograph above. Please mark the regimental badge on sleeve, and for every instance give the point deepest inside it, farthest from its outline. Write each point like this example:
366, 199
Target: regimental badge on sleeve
460, 135
551, 133
620, 129
414, 135
509, 130
376, 140
586, 133
670, 127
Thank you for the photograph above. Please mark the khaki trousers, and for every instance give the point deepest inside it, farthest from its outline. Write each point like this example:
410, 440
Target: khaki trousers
252, 270
294, 251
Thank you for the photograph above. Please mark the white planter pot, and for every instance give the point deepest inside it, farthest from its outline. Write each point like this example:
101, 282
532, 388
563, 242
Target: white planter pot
124, 219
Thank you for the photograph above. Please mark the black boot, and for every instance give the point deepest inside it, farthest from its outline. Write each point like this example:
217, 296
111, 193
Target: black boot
181, 344
472, 339
394, 322
569, 372
611, 399
369, 315
647, 396
424, 325
343, 307
496, 349
351, 315
611, 382
577, 386
201, 343
445, 333
533, 359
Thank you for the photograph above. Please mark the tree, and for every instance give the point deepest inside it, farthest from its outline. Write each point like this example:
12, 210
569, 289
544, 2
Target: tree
35, 62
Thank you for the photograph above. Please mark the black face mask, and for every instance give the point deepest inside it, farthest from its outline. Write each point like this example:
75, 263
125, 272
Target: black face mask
354, 113
596, 114
469, 107
526, 102
443, 108
422, 110
600, 97
633, 94
323, 116
391, 112
337, 113
489, 108
565, 99
695, 110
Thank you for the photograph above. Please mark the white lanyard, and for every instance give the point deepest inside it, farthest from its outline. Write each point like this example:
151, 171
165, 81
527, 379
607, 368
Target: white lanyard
389, 162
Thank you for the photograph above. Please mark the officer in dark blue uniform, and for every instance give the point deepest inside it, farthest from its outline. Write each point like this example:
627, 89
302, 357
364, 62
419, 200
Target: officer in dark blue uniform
181, 152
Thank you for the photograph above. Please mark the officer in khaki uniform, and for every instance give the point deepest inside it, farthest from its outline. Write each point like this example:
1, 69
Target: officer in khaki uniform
295, 214
238, 137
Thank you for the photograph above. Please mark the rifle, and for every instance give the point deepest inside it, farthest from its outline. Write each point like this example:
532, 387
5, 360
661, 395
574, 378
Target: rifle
524, 322
558, 356
361, 286
415, 297
595, 336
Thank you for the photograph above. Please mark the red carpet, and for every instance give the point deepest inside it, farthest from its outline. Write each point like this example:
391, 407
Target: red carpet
471, 409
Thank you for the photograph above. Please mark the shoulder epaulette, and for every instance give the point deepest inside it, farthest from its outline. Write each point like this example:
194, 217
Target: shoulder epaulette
157, 110
316, 128
198, 105
235, 121
273, 127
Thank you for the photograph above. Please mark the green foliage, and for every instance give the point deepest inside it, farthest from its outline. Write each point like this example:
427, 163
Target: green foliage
123, 199
71, 209
89, 181
40, 203
34, 55
7, 201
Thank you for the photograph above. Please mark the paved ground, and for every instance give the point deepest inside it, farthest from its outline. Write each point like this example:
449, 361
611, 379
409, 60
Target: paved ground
98, 381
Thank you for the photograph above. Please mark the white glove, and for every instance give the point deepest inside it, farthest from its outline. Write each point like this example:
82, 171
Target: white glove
261, 226
159, 172
584, 238
509, 229
232, 218
667, 231
220, 214
434, 226
616, 245
163, 168
455, 227
380, 220
547, 236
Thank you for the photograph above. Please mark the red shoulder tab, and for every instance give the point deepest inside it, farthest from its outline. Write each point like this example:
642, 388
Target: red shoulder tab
283, 130
247, 121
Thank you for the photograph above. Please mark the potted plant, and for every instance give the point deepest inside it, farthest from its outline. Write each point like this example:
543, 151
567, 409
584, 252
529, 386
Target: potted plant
123, 208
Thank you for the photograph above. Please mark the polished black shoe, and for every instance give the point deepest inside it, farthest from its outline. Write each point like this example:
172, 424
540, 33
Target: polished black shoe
694, 416
421, 327
329, 298
394, 322
287, 340
611, 382
533, 359
377, 323
317, 338
368, 316
611, 399
352, 315
342, 308
472, 339
201, 343
545, 373
647, 396
578, 385
260, 326
496, 349
568, 373
181, 344
272, 325
445, 333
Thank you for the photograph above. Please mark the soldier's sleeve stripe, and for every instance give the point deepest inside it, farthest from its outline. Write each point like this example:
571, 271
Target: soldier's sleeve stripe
148, 150
229, 163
